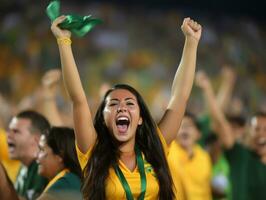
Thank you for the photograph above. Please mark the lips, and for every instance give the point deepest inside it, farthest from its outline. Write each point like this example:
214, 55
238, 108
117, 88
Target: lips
11, 145
122, 123
261, 141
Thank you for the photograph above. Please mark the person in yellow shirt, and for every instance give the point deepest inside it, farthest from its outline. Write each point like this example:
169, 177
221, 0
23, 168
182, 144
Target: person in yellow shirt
190, 161
11, 166
121, 151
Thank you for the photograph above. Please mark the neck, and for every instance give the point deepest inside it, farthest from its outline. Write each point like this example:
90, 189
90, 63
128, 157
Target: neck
58, 170
127, 148
128, 156
27, 161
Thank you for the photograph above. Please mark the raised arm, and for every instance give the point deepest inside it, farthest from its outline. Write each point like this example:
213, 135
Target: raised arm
47, 103
225, 90
221, 125
83, 123
183, 81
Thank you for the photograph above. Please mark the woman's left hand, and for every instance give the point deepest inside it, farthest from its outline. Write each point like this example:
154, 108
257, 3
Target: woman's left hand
191, 29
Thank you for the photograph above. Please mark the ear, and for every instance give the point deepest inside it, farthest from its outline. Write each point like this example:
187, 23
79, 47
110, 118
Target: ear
140, 121
59, 158
36, 138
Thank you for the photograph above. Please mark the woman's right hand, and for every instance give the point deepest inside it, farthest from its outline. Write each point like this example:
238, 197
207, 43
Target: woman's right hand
58, 32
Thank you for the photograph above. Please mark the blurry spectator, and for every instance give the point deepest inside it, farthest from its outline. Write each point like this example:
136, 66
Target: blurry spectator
247, 166
58, 162
23, 137
221, 186
191, 161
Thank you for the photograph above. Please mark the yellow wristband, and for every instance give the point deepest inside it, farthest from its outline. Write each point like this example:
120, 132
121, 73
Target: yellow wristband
64, 40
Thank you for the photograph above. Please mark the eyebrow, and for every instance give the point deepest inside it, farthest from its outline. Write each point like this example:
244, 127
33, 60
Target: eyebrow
128, 98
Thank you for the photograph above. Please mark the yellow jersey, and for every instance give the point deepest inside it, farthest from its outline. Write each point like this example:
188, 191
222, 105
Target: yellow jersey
114, 189
11, 166
195, 172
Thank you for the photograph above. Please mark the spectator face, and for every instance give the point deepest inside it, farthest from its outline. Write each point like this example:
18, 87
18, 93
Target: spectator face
188, 133
239, 131
22, 144
258, 133
49, 163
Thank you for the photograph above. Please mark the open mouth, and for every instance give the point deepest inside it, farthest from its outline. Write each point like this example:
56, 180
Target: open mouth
122, 124
261, 142
11, 146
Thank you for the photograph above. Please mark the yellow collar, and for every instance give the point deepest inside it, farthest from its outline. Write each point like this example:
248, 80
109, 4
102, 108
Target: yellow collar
58, 176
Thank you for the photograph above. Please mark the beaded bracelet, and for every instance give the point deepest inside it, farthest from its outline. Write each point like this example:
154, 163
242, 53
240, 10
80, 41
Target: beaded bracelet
64, 40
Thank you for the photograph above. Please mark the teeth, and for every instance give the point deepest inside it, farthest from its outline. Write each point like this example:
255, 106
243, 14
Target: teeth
122, 118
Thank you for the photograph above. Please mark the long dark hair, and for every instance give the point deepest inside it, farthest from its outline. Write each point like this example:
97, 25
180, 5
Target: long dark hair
62, 142
105, 153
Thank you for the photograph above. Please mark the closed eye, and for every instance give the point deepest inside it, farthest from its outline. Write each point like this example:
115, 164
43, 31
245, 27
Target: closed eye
130, 104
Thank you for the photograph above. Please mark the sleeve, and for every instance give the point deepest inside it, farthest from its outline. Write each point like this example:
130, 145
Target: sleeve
83, 158
165, 146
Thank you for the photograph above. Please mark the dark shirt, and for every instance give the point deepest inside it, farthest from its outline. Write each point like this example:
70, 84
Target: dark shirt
67, 187
247, 174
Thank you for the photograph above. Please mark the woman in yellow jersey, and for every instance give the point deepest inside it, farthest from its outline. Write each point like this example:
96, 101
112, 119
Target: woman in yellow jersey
58, 162
123, 151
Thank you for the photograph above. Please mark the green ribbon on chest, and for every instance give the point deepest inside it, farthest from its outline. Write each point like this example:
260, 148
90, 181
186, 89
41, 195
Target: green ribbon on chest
140, 164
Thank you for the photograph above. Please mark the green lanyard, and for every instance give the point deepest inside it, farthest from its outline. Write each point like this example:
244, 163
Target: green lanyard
124, 182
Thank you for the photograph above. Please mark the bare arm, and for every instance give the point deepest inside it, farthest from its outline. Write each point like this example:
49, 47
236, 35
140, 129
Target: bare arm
7, 190
183, 81
221, 125
47, 105
83, 123
225, 91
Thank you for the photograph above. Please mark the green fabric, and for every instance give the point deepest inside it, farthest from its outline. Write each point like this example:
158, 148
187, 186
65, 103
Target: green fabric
67, 187
221, 169
238, 158
204, 122
256, 178
248, 174
78, 25
28, 183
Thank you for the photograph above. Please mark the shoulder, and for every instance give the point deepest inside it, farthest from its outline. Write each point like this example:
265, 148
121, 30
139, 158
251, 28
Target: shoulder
68, 181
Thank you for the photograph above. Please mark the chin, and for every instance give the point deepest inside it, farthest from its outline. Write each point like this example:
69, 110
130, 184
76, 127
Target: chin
123, 138
13, 157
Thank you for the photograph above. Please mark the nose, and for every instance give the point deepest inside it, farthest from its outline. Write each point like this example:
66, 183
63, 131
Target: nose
9, 133
121, 108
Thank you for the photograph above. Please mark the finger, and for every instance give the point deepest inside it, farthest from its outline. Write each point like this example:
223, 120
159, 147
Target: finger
194, 25
59, 20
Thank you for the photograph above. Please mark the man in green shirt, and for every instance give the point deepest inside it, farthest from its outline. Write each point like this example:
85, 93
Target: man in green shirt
23, 137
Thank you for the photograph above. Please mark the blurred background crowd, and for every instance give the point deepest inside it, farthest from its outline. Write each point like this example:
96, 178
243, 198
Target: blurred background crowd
138, 43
